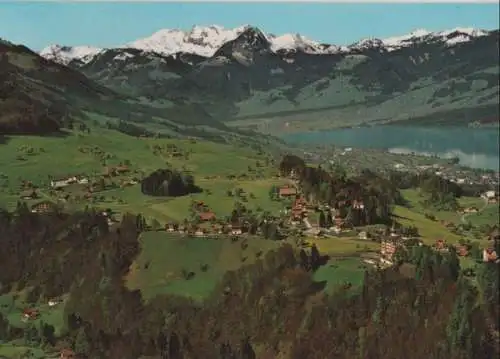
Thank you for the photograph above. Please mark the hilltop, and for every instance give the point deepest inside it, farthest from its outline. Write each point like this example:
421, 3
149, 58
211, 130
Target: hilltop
248, 78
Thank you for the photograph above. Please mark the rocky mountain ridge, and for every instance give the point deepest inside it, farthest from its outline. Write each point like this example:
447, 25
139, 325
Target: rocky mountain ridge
206, 41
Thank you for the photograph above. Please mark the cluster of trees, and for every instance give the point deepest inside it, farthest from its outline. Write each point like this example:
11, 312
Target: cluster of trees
130, 129
270, 308
433, 183
325, 219
167, 182
440, 193
377, 194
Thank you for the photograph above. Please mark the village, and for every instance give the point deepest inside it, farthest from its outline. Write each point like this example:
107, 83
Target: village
298, 221
301, 222
355, 159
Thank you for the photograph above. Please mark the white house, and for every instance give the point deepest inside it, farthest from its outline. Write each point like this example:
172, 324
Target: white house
53, 302
490, 255
236, 231
363, 235
489, 194
83, 180
63, 182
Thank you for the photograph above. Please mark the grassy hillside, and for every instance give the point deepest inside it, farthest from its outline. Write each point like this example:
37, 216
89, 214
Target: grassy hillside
154, 275
41, 97
217, 168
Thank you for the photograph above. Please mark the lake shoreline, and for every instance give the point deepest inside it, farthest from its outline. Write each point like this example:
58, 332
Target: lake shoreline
474, 147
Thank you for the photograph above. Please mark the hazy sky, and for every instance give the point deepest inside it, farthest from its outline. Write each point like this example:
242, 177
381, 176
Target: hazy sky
39, 24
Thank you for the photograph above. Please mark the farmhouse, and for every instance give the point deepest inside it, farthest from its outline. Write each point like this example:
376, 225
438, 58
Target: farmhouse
339, 222
490, 196
287, 191
296, 214
490, 255
63, 182
207, 216
471, 210
53, 302
199, 233
236, 231
67, 353
363, 235
42, 207
462, 251
83, 180
358, 204
387, 249
30, 314
440, 245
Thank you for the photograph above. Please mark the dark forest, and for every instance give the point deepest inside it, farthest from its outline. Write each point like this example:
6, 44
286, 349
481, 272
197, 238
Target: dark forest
269, 309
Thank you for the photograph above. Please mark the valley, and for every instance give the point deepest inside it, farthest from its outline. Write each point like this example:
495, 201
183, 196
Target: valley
231, 194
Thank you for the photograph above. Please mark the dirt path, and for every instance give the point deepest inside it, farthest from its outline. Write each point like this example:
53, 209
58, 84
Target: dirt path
465, 215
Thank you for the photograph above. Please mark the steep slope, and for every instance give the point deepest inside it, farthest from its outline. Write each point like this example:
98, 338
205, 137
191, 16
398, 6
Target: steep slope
35, 93
423, 76
39, 96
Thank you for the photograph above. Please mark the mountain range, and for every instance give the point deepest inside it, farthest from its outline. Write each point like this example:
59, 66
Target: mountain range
244, 77
205, 41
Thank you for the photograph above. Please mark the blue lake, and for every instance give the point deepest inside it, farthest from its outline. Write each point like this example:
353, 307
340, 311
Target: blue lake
475, 147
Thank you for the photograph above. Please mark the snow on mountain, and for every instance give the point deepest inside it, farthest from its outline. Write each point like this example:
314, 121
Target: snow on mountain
299, 42
449, 37
207, 40
66, 54
204, 41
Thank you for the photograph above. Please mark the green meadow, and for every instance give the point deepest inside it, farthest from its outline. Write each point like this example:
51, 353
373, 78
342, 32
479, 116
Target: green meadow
165, 258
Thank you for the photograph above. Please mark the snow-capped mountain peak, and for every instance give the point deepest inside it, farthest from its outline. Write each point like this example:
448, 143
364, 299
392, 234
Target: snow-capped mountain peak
401, 40
207, 40
448, 37
66, 54
200, 40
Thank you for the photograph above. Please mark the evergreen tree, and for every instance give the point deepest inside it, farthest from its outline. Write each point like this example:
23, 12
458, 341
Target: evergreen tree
46, 333
82, 343
140, 223
31, 335
328, 219
4, 328
322, 219
459, 328
315, 257
273, 232
247, 351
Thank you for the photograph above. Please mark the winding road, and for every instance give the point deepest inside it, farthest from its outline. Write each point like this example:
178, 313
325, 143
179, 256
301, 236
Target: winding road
464, 216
